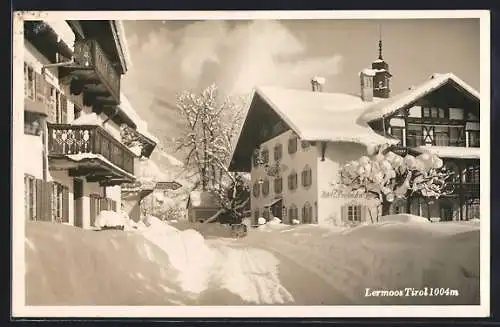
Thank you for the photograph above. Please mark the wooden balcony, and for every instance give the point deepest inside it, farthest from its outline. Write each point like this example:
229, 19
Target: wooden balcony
93, 73
89, 151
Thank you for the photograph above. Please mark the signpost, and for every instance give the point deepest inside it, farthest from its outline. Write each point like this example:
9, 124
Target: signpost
168, 185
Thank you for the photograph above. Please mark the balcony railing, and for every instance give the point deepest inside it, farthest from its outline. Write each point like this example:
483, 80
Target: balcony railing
89, 54
75, 139
414, 141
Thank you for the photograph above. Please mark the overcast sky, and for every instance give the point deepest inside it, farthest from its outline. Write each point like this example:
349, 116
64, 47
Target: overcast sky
171, 56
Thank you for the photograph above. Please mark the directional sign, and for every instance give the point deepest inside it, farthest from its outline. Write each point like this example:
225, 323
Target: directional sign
168, 185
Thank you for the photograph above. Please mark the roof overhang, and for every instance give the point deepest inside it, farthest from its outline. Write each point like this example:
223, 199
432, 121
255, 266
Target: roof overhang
94, 169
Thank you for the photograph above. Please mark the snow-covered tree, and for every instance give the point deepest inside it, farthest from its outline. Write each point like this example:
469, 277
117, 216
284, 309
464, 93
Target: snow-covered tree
212, 123
387, 176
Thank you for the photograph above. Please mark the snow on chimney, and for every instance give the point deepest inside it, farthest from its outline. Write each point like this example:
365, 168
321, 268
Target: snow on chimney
366, 81
317, 83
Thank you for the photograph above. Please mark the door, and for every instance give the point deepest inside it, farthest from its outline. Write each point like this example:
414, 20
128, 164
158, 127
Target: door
446, 211
277, 210
78, 202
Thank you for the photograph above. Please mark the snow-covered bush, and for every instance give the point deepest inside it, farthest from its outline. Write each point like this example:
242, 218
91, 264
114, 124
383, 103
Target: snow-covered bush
261, 221
295, 222
111, 219
387, 176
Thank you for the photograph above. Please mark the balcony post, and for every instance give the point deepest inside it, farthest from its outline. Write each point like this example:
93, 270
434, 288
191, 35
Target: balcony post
461, 191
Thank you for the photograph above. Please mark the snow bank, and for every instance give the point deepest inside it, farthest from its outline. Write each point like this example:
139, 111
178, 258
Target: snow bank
261, 221
386, 255
405, 218
187, 251
107, 218
275, 221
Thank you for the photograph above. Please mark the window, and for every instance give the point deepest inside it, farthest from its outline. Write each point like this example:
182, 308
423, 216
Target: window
472, 175
265, 156
292, 181
306, 177
32, 123
29, 81
77, 111
278, 152
473, 211
304, 144
474, 139
30, 197
292, 145
354, 213
307, 213
278, 185
457, 136
426, 112
414, 136
265, 188
256, 190
433, 112
397, 132
256, 158
293, 213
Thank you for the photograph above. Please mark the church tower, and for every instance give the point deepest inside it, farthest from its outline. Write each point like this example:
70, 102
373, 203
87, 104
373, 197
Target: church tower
381, 85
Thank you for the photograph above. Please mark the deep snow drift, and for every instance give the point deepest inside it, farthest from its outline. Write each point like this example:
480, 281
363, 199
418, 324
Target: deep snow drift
396, 253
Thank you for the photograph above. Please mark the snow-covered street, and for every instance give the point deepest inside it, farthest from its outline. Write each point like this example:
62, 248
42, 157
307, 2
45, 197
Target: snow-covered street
273, 265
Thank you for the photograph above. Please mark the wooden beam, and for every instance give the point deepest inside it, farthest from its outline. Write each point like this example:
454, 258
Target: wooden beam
78, 172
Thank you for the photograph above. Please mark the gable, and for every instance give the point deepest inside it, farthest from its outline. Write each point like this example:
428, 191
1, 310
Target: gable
262, 123
442, 90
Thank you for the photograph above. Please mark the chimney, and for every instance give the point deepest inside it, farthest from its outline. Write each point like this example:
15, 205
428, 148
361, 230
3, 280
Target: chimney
317, 83
366, 81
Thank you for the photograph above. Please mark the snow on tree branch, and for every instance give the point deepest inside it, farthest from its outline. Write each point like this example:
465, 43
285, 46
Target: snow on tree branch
211, 125
387, 176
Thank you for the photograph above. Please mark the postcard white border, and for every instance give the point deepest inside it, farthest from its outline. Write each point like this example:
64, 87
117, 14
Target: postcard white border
19, 309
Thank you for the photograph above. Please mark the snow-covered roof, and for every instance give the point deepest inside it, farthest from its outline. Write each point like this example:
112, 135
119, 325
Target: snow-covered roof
451, 151
319, 116
388, 106
87, 119
63, 31
202, 199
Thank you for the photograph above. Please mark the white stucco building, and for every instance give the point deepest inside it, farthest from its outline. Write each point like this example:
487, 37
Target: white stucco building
293, 143
76, 156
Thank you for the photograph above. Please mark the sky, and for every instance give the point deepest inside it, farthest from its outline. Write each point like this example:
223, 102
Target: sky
169, 57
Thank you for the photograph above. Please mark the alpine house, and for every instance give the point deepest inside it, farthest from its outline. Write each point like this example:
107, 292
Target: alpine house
294, 141
78, 126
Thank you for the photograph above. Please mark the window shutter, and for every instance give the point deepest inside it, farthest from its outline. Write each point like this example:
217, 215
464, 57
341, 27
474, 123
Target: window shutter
64, 109
343, 212
39, 199
49, 199
40, 88
65, 204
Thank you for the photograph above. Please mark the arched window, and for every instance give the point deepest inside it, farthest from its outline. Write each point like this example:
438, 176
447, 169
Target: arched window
292, 181
306, 176
307, 213
265, 187
278, 185
256, 189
